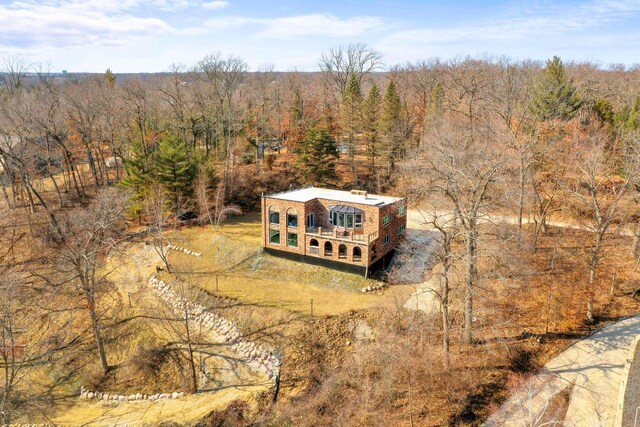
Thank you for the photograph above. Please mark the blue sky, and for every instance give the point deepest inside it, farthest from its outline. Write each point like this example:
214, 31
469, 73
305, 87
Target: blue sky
150, 35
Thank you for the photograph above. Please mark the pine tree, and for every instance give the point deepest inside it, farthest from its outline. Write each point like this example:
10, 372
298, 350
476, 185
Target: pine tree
628, 117
317, 155
139, 177
352, 116
371, 124
392, 125
110, 77
555, 95
175, 170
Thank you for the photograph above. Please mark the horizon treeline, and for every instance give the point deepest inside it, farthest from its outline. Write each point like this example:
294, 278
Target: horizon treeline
214, 118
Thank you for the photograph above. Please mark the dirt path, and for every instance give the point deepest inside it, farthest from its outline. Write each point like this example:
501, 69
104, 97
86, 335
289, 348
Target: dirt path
594, 366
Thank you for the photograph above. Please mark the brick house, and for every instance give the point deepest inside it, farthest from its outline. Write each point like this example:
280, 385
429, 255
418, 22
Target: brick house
348, 230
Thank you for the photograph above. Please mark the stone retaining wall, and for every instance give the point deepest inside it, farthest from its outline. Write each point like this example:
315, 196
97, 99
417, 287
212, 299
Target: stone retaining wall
121, 398
185, 250
221, 330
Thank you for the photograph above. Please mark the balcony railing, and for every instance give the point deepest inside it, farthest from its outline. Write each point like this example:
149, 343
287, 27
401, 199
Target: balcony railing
342, 234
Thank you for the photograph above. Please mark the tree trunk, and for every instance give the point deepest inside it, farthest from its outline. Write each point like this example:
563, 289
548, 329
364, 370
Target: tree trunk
521, 182
635, 247
445, 315
192, 364
471, 259
95, 325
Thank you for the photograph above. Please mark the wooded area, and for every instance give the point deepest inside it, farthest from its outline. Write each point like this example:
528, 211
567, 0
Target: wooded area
529, 172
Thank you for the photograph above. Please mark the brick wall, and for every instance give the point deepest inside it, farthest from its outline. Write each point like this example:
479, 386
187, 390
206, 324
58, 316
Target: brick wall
283, 206
378, 248
373, 222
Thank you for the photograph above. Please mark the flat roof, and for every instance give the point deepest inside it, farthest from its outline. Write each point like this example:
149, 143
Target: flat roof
310, 193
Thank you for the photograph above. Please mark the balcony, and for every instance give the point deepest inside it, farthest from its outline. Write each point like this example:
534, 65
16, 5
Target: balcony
341, 234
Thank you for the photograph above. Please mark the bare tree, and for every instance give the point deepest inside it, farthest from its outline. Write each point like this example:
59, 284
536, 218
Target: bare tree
30, 335
186, 334
342, 62
158, 216
598, 191
87, 236
448, 231
222, 211
13, 74
463, 169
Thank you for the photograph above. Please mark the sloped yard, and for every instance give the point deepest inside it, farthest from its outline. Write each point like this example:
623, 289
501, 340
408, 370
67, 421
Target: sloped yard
232, 257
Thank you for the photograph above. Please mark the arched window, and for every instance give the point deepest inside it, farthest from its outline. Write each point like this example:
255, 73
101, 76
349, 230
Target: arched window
328, 249
342, 251
357, 254
292, 218
314, 247
274, 215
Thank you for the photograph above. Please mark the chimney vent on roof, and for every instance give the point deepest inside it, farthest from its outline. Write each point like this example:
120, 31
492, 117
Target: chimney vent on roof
359, 193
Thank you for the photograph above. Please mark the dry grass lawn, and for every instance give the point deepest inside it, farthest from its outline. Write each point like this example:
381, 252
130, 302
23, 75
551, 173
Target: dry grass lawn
233, 255
185, 411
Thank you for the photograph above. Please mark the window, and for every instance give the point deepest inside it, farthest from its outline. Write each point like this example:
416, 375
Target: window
311, 220
401, 229
386, 239
344, 216
402, 210
349, 220
387, 219
328, 249
358, 220
292, 220
274, 217
342, 251
274, 237
357, 254
292, 240
314, 247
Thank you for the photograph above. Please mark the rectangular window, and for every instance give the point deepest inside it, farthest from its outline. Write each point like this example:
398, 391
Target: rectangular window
311, 220
386, 239
349, 220
387, 219
401, 229
274, 237
402, 210
274, 217
358, 220
292, 220
292, 240
331, 217
341, 220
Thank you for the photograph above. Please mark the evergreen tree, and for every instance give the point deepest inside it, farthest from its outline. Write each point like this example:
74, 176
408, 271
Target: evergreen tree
555, 95
352, 115
110, 77
139, 177
175, 170
629, 117
393, 129
436, 99
317, 155
371, 124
